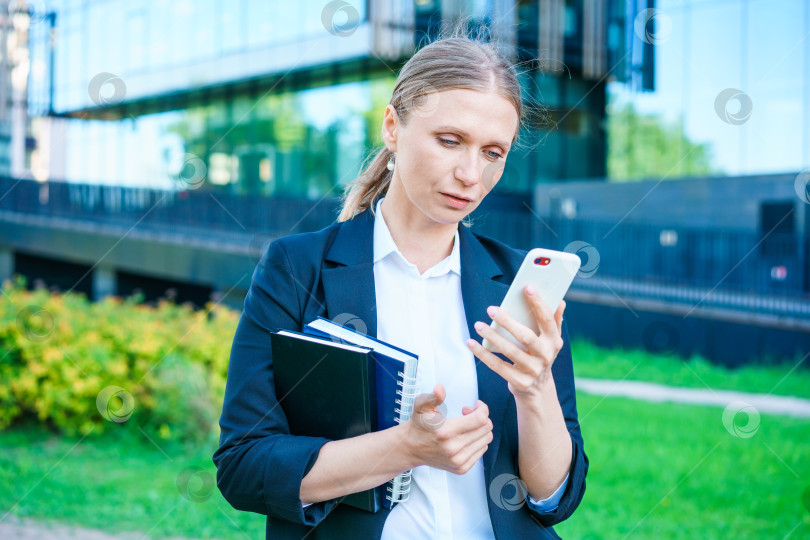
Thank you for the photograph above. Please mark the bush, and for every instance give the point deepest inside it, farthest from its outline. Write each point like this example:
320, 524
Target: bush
79, 366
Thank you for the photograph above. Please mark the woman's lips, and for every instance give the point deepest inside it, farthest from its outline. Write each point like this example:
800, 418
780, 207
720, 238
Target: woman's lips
456, 202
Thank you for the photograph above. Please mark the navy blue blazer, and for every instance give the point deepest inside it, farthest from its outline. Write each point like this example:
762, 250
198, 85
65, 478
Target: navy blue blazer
329, 273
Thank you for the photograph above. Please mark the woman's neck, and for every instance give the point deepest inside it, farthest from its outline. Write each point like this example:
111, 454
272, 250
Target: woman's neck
421, 240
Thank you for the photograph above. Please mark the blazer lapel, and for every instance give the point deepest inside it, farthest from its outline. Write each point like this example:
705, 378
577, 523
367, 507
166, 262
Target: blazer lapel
350, 298
349, 292
480, 288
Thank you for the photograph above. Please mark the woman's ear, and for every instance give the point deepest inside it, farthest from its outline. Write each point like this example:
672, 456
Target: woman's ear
390, 127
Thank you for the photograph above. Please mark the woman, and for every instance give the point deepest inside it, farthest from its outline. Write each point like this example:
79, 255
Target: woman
494, 445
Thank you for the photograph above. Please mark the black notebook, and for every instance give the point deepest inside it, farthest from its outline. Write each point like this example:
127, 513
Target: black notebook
329, 388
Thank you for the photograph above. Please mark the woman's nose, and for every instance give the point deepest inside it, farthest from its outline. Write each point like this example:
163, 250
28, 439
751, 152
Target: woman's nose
467, 170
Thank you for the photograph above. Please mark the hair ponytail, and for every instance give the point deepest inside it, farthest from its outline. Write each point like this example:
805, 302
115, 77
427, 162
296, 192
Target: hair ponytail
372, 182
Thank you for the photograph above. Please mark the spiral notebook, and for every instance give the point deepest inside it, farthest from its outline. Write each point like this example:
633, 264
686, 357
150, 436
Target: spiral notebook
334, 382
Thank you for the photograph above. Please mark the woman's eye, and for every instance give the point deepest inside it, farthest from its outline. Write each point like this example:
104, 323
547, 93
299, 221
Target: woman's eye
494, 155
448, 142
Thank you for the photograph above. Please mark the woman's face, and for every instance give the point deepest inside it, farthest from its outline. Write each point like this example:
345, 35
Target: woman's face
454, 143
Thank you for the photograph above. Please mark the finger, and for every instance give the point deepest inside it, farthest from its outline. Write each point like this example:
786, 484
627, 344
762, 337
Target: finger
506, 347
542, 311
470, 423
472, 438
467, 409
494, 363
440, 393
478, 452
558, 317
429, 402
521, 332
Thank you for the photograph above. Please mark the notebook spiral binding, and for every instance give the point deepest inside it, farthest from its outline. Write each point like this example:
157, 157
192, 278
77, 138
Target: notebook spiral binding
399, 488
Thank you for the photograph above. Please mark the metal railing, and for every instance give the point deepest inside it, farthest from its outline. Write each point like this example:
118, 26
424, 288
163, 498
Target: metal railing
717, 267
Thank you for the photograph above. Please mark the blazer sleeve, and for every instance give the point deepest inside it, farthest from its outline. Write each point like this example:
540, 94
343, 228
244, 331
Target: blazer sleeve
563, 372
260, 466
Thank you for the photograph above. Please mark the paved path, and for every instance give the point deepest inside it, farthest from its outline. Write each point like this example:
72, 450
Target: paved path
764, 403
15, 528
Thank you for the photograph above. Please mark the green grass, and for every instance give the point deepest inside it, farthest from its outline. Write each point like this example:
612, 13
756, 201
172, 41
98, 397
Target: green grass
639, 365
118, 483
673, 471
657, 471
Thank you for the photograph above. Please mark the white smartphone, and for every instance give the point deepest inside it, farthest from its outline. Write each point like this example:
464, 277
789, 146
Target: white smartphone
551, 274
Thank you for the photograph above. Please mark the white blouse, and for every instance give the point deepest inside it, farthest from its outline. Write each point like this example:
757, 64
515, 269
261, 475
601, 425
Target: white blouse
424, 314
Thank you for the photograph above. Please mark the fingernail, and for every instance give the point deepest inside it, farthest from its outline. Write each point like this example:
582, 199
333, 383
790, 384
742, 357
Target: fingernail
492, 311
531, 290
479, 325
471, 343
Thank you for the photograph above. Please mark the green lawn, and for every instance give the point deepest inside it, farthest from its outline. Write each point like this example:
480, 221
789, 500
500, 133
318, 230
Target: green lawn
788, 379
673, 471
118, 482
657, 471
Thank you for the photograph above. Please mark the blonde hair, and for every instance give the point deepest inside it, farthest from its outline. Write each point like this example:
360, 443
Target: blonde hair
449, 63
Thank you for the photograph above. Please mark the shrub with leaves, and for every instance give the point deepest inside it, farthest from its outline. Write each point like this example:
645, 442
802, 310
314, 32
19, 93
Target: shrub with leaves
79, 366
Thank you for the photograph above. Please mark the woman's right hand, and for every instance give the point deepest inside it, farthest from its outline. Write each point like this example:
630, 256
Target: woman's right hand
450, 444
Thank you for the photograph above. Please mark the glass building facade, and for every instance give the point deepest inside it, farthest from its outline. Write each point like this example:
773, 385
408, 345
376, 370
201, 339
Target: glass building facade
732, 76
264, 97
271, 98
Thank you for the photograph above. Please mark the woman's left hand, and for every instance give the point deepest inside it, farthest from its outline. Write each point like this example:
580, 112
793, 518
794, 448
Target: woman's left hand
531, 370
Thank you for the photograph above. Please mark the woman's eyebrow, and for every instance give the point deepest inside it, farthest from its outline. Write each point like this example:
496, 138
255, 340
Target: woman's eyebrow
467, 135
